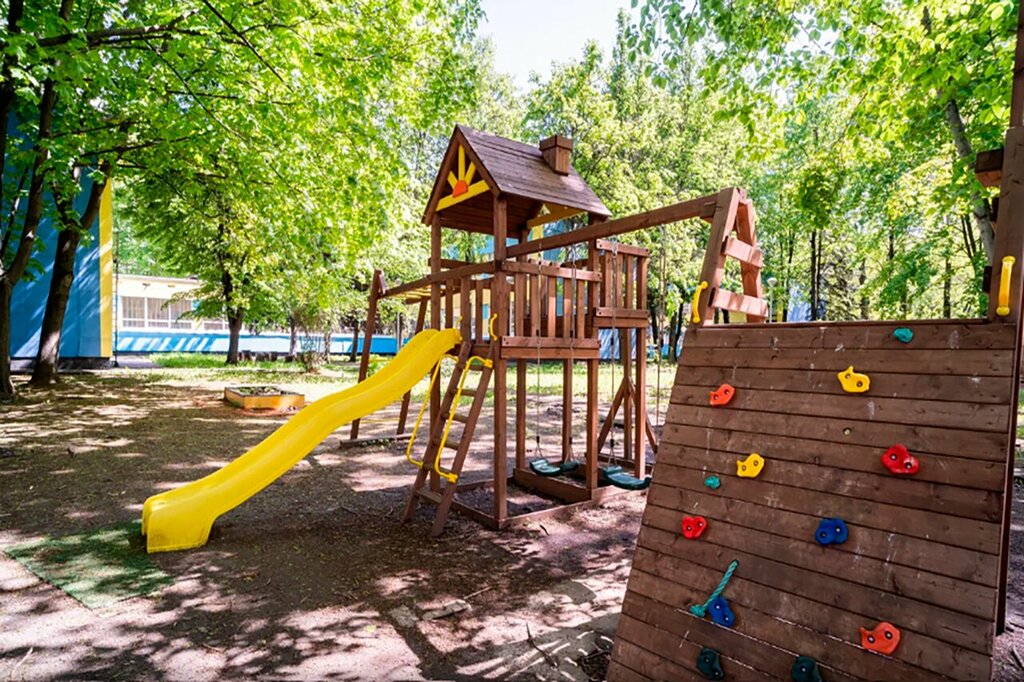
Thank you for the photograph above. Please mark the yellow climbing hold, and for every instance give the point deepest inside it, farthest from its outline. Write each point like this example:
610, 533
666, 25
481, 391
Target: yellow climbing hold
853, 382
750, 467
695, 308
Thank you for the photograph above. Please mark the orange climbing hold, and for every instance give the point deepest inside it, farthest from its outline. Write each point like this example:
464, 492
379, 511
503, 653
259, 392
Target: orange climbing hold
853, 382
722, 395
883, 639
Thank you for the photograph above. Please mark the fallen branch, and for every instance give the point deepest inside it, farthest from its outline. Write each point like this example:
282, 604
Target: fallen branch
547, 657
19, 663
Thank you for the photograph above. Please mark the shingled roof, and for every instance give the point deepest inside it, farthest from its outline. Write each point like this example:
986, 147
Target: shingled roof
513, 169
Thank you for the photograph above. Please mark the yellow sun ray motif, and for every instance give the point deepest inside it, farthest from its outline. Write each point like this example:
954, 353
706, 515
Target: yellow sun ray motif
462, 184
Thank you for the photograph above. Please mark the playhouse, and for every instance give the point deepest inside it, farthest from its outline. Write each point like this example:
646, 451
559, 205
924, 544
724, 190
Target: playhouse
518, 309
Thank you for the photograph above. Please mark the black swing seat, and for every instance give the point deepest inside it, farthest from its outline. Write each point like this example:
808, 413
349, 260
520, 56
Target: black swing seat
542, 467
614, 475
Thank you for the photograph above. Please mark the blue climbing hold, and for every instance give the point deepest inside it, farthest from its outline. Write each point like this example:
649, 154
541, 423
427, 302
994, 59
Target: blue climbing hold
805, 669
903, 334
709, 663
720, 612
712, 482
832, 532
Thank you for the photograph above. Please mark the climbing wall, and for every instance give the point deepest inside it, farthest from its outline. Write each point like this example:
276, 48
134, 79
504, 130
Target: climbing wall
911, 539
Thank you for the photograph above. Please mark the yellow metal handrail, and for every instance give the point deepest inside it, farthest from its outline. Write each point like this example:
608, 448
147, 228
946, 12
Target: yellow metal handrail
423, 408
449, 476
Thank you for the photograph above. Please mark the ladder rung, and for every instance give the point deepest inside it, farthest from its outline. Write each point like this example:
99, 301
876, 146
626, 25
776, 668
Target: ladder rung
469, 392
452, 443
429, 495
461, 418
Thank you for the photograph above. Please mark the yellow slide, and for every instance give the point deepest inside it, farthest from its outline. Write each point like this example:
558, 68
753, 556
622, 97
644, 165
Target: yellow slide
182, 518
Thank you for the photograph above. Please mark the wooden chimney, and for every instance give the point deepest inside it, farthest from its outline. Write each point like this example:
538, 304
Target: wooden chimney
557, 150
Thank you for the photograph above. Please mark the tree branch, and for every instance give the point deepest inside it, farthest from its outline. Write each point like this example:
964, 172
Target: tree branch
244, 40
113, 35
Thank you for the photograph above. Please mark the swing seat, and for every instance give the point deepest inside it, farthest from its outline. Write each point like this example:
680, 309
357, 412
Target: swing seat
614, 475
542, 467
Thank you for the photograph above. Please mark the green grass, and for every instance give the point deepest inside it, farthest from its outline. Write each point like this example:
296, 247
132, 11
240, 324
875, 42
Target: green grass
98, 568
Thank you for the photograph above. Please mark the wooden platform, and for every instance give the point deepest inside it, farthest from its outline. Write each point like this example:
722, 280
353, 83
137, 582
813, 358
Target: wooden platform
923, 551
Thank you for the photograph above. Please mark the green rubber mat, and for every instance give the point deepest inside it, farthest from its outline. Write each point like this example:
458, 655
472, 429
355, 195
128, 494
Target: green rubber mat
98, 568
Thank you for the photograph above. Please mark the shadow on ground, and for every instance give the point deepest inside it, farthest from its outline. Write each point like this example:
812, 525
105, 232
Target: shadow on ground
313, 578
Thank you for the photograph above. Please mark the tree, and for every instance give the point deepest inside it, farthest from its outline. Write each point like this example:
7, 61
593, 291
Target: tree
248, 104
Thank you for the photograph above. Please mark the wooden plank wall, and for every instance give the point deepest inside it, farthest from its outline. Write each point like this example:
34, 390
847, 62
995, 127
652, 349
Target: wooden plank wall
923, 551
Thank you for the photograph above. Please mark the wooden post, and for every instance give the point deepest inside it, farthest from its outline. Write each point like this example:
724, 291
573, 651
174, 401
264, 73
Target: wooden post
520, 295
435, 323
714, 262
499, 306
403, 413
641, 370
376, 290
592, 332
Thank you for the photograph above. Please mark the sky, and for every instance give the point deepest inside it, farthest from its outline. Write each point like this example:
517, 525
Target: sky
530, 34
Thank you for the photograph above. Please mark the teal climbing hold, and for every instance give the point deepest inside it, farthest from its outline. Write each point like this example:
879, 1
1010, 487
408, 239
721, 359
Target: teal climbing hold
709, 663
903, 334
805, 669
712, 482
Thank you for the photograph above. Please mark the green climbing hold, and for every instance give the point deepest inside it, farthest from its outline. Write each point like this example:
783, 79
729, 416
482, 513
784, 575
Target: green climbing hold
712, 482
903, 334
709, 663
805, 669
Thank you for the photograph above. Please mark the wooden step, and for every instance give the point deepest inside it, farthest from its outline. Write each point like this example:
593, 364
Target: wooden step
469, 392
452, 443
429, 495
461, 418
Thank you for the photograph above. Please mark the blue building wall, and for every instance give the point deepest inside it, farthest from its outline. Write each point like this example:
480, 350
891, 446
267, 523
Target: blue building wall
170, 342
83, 329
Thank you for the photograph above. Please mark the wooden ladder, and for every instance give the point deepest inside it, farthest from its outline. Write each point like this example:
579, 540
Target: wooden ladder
734, 212
428, 485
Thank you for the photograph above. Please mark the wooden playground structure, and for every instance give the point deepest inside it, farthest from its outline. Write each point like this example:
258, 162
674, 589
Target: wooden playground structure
870, 538
519, 308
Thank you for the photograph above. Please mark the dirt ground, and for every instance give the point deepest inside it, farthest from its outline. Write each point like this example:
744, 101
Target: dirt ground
314, 577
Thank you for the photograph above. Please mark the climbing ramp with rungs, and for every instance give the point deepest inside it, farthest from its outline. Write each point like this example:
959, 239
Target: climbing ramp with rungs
865, 536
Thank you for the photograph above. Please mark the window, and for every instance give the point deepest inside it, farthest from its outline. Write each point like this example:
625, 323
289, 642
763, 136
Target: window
178, 311
158, 315
133, 311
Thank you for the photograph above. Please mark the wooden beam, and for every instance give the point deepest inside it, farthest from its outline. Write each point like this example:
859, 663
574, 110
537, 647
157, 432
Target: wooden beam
499, 307
549, 270
628, 249
701, 207
727, 205
988, 167
377, 285
440, 275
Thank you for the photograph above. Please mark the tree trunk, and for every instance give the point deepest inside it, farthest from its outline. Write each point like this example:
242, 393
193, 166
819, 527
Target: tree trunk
947, 287
862, 280
353, 353
814, 274
293, 340
6, 384
235, 319
327, 345
48, 355
980, 206
673, 337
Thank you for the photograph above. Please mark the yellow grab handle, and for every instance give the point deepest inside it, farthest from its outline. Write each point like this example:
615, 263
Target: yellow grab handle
419, 417
695, 316
1004, 286
490, 326
448, 475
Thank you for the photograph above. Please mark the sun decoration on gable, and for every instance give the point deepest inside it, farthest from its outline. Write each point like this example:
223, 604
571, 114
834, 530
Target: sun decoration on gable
462, 184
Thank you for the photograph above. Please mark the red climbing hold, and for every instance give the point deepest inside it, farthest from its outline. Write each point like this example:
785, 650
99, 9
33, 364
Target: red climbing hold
883, 639
899, 461
722, 395
693, 526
